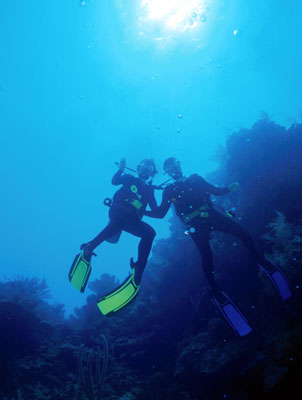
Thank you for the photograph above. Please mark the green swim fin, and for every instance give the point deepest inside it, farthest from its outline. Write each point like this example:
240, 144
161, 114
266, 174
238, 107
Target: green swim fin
79, 272
120, 297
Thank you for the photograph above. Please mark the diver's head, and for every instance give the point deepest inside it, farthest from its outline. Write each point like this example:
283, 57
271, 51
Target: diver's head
172, 168
146, 169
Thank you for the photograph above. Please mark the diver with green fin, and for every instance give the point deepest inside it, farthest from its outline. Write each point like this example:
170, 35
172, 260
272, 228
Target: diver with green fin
192, 203
126, 211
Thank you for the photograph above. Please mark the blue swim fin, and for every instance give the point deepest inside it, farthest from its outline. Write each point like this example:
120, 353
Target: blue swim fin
231, 313
278, 279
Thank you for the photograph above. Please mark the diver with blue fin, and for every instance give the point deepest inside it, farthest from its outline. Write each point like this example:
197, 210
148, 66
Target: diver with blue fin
126, 211
192, 203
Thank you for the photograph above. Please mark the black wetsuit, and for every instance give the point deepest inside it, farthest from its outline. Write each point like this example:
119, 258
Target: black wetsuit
191, 200
128, 207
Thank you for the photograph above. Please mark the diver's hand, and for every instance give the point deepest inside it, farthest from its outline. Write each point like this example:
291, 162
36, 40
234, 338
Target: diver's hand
122, 164
233, 187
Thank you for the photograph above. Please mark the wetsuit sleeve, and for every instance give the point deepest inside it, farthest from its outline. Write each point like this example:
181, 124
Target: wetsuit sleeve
152, 201
216, 191
160, 211
119, 178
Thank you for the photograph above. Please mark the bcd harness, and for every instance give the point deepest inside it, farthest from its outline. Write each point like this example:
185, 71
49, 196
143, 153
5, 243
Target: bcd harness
202, 212
135, 202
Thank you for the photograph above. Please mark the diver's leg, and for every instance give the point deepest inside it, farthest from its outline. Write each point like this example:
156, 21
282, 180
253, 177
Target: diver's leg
273, 272
118, 215
147, 234
110, 230
201, 239
225, 305
227, 225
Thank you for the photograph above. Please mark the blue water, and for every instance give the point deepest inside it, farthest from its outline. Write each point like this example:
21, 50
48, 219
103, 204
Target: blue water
83, 84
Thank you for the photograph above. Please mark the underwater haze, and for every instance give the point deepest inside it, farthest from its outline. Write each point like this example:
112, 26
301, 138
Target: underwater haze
85, 83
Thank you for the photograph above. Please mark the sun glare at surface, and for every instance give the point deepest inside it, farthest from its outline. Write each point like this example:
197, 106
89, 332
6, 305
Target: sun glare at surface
176, 14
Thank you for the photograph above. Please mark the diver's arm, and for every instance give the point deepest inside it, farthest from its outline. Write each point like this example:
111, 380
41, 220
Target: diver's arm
216, 191
219, 191
117, 178
152, 200
161, 211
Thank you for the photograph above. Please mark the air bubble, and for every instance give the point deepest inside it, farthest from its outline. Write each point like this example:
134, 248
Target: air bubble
192, 230
237, 33
179, 116
83, 3
203, 18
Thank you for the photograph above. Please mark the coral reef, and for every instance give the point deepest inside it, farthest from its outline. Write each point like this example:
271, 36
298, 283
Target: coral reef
171, 343
91, 374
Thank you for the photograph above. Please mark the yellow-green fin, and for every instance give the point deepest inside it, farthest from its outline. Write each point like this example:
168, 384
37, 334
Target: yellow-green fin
120, 297
79, 272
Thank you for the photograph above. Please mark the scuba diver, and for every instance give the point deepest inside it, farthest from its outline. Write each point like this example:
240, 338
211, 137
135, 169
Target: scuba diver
192, 203
126, 211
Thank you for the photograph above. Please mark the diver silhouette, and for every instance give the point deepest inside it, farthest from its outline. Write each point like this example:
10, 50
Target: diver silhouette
125, 214
192, 203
